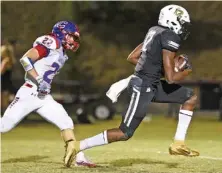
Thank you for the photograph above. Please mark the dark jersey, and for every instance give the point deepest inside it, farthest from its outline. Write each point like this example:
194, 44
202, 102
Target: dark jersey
150, 64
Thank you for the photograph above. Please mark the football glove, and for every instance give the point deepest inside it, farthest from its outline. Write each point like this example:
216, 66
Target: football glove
188, 65
43, 87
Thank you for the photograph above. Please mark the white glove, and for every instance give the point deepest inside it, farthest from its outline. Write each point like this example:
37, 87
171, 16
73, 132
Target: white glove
43, 87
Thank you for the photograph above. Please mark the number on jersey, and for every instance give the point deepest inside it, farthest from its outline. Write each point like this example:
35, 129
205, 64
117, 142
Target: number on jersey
148, 38
48, 76
47, 41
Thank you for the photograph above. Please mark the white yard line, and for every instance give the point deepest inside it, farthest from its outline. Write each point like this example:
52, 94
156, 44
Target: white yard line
211, 158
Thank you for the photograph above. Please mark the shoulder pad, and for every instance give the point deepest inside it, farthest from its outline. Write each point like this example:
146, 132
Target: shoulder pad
170, 41
48, 41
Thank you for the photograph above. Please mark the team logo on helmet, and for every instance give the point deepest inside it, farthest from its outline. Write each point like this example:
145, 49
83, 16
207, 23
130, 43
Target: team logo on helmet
178, 12
61, 24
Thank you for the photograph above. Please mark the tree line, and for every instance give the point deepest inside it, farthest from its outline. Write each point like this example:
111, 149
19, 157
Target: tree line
109, 31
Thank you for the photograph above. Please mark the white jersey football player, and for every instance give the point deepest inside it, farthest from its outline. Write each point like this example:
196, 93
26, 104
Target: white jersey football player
42, 63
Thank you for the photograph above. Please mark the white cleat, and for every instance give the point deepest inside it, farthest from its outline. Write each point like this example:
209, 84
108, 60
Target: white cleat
81, 160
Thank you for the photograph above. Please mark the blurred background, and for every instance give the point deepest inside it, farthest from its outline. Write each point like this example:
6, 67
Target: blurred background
109, 32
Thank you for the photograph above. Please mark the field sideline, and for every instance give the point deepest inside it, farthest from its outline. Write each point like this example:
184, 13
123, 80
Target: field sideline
38, 148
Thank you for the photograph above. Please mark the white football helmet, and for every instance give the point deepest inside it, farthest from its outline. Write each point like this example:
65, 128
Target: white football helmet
175, 18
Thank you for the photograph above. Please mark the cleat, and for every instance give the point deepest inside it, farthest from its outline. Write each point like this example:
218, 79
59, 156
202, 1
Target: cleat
82, 160
86, 164
178, 148
72, 148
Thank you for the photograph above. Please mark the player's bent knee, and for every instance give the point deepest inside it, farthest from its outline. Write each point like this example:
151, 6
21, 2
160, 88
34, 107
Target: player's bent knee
70, 123
192, 100
67, 123
128, 133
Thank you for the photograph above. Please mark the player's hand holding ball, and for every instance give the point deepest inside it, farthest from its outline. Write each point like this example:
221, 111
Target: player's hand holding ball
43, 87
182, 63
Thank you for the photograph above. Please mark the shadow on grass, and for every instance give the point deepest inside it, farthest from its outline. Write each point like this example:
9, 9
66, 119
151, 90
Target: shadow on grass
115, 165
132, 161
25, 159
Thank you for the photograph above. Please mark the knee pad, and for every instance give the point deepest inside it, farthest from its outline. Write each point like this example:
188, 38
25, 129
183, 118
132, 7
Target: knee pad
128, 133
66, 121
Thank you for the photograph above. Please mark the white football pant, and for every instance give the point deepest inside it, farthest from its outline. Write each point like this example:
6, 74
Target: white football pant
27, 101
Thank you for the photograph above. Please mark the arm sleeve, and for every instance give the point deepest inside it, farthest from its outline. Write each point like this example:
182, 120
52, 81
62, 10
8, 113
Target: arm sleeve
42, 50
170, 41
46, 43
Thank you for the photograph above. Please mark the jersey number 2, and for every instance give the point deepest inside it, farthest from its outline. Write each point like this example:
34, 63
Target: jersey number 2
148, 38
50, 72
47, 41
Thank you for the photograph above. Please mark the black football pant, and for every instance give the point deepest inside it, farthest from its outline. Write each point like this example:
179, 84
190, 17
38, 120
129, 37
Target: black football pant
142, 94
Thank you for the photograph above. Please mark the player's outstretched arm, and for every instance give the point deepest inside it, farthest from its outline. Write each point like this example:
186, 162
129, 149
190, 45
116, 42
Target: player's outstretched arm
168, 62
135, 55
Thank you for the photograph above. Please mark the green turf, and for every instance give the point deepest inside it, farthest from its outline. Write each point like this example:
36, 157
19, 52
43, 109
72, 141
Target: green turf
38, 148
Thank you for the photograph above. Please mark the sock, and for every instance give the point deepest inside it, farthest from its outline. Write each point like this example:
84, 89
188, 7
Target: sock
100, 139
80, 157
185, 117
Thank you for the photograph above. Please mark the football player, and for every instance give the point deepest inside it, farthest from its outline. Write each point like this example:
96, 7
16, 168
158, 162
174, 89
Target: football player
154, 59
42, 63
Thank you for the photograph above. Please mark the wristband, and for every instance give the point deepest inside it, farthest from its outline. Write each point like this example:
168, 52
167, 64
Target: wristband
26, 63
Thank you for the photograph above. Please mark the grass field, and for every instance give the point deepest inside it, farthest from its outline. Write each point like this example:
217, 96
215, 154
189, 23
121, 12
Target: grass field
38, 148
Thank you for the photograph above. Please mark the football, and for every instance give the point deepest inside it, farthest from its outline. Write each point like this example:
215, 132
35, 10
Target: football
180, 63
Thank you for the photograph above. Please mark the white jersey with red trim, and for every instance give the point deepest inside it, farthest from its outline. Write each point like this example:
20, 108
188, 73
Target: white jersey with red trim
52, 57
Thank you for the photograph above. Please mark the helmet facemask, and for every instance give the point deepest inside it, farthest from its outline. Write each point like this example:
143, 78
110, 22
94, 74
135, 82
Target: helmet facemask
71, 41
184, 32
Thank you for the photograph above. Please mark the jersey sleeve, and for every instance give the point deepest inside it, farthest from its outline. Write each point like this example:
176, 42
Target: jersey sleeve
170, 41
46, 43
42, 50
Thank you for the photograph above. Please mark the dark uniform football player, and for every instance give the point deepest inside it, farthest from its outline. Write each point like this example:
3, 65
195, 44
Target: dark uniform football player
154, 59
